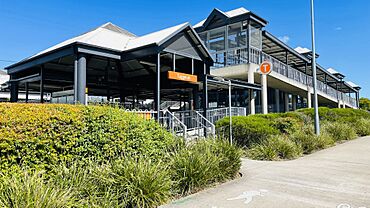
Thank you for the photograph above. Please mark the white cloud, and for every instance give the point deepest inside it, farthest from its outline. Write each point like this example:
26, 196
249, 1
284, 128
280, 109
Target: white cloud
284, 39
338, 28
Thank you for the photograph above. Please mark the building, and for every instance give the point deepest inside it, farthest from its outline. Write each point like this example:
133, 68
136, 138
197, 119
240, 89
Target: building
239, 43
197, 72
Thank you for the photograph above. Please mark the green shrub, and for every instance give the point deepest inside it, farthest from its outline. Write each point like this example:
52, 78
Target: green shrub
40, 136
277, 147
228, 155
362, 127
308, 140
347, 115
134, 183
193, 168
203, 163
247, 130
339, 131
286, 124
27, 189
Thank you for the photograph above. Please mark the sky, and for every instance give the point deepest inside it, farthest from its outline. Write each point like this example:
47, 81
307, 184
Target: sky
342, 26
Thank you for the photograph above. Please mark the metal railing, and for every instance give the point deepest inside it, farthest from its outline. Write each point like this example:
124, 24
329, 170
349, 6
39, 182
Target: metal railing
197, 125
169, 121
213, 115
242, 55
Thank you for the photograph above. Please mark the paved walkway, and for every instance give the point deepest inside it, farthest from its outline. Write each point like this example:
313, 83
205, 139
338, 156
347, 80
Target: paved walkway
335, 177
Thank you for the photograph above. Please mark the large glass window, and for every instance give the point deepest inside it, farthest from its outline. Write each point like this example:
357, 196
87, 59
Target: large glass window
256, 36
236, 36
217, 40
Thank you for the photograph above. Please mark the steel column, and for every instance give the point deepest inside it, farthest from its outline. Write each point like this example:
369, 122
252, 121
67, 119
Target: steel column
81, 80
158, 87
42, 84
27, 91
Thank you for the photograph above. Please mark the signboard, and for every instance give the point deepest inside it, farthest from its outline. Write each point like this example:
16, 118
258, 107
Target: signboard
182, 76
266, 68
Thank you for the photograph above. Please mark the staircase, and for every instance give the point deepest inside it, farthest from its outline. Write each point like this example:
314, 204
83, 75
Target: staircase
192, 124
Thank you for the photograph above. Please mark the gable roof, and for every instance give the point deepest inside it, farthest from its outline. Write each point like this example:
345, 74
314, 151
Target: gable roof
155, 38
111, 37
228, 14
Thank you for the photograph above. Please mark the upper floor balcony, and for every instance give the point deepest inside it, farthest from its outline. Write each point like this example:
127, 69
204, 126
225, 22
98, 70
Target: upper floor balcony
245, 55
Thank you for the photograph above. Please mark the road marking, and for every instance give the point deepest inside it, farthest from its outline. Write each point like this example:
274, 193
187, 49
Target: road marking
248, 195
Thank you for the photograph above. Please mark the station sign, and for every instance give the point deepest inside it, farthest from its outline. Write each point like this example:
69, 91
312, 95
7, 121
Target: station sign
182, 76
266, 67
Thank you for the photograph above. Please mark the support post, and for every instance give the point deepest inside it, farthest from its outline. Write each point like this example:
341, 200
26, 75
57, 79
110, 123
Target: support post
158, 87
107, 80
205, 96
230, 116
286, 102
294, 102
27, 91
13, 91
277, 100
264, 94
42, 84
80, 81
252, 100
309, 97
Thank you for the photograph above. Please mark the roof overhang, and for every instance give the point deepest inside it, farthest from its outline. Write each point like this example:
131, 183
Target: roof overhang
64, 51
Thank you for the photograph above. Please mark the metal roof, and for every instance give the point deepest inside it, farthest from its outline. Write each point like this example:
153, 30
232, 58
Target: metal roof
111, 37
229, 14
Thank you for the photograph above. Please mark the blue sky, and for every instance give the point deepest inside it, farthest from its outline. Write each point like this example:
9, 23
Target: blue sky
342, 26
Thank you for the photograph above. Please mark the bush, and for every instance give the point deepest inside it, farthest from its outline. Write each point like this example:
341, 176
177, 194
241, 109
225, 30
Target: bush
29, 189
247, 130
277, 147
339, 131
204, 163
362, 127
40, 136
309, 141
134, 183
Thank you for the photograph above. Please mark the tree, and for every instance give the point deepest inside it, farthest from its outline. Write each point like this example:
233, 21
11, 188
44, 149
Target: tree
365, 104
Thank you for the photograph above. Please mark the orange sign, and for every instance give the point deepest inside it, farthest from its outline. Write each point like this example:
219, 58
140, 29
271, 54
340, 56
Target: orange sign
182, 76
266, 67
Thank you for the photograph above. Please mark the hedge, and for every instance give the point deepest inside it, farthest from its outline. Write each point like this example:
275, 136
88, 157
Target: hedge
40, 136
255, 129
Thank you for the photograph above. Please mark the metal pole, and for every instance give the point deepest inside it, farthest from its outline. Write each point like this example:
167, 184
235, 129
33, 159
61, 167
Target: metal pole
230, 114
158, 87
316, 107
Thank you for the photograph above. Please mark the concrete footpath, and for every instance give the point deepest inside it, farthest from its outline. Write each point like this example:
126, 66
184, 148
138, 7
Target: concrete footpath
335, 177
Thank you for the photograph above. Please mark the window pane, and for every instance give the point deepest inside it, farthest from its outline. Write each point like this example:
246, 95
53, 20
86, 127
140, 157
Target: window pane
237, 37
256, 37
217, 40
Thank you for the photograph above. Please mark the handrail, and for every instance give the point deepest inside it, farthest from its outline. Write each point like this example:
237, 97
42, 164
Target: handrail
213, 127
172, 120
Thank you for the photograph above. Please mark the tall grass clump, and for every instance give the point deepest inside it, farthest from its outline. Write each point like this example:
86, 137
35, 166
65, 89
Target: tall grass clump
309, 141
275, 148
203, 163
362, 127
339, 131
31, 190
135, 183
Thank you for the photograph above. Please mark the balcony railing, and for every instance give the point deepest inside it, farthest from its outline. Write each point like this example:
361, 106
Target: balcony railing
240, 56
